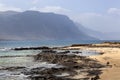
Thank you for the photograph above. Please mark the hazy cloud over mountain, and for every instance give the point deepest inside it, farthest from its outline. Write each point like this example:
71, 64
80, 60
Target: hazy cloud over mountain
95, 21
4, 7
108, 22
55, 9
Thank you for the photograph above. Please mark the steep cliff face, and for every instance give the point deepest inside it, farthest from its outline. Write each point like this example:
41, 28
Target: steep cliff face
36, 25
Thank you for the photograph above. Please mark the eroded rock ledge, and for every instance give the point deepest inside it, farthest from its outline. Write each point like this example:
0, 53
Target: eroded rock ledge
71, 65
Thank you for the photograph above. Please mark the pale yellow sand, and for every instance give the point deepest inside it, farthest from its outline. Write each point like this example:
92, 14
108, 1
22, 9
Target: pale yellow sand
111, 55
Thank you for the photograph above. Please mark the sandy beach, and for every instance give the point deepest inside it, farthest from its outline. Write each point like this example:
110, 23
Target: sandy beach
110, 56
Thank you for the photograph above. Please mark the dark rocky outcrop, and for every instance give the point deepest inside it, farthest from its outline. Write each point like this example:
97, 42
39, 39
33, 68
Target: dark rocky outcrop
69, 63
32, 48
102, 44
74, 45
14, 68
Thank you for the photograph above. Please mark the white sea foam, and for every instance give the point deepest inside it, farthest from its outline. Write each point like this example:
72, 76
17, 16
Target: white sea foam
8, 75
45, 65
63, 75
5, 49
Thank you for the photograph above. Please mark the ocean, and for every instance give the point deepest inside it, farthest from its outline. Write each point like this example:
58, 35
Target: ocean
5, 46
49, 43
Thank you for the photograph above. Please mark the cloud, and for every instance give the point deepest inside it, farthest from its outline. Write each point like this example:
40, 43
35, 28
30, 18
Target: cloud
4, 7
34, 9
55, 9
35, 1
114, 11
108, 22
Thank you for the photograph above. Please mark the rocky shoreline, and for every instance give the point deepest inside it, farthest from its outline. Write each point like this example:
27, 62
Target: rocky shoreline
104, 44
71, 64
65, 66
68, 65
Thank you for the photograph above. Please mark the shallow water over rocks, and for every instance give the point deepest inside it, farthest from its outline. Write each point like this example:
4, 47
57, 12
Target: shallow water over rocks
18, 66
13, 68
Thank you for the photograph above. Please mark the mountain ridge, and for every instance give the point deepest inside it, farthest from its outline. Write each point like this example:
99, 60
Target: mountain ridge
38, 25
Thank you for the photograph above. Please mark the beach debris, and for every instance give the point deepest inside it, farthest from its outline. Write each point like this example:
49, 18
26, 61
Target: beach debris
101, 53
108, 63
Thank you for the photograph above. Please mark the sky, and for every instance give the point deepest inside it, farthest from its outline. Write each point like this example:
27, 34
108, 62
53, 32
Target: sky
99, 15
